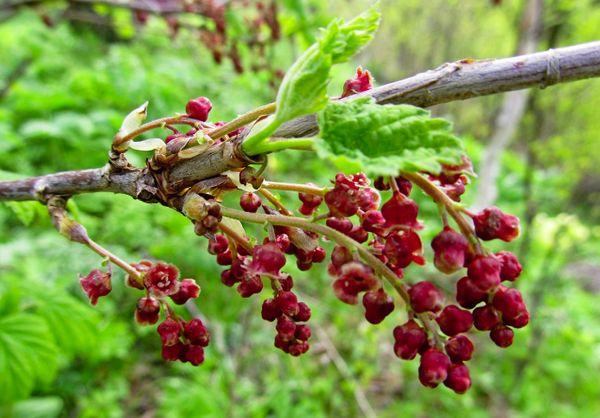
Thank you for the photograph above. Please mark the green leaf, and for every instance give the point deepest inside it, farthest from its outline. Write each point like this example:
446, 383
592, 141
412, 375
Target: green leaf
26, 211
342, 41
360, 135
47, 407
27, 355
72, 324
304, 87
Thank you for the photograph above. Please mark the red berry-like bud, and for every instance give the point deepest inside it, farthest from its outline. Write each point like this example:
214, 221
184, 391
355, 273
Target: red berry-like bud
484, 273
310, 200
195, 331
173, 352
96, 284
286, 282
467, 294
453, 320
400, 210
511, 268
354, 277
161, 279
142, 267
449, 250
378, 305
267, 259
169, 331
302, 332
368, 199
519, 321
270, 310
381, 184
306, 210
287, 302
250, 202
459, 379
340, 256
198, 108
502, 336
303, 314
358, 234
318, 255
362, 81
250, 286
147, 310
188, 289
298, 348
373, 221
225, 258
510, 303
286, 328
343, 225
485, 318
283, 345
433, 368
459, 348
403, 247
409, 338
283, 242
194, 354
228, 278
492, 223
340, 203
425, 297
404, 186
218, 245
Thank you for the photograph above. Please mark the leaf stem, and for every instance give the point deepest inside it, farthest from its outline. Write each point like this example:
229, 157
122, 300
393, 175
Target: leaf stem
294, 187
303, 144
252, 142
242, 120
157, 123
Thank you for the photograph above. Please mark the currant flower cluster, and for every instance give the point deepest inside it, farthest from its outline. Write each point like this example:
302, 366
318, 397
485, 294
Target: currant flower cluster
246, 271
374, 242
181, 340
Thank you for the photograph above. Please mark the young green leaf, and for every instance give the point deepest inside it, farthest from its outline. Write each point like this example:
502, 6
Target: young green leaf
360, 135
304, 87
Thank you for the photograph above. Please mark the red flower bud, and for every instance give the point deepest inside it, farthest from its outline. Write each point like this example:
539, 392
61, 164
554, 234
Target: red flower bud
449, 250
188, 289
96, 284
492, 223
433, 368
147, 310
198, 108
425, 297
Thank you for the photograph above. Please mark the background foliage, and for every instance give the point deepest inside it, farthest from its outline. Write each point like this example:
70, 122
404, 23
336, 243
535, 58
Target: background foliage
59, 357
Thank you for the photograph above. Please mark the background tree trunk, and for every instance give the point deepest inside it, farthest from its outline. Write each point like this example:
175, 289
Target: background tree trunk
511, 111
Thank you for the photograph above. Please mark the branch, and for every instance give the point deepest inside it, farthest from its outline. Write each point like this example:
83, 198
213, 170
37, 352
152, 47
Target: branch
455, 81
69, 183
466, 79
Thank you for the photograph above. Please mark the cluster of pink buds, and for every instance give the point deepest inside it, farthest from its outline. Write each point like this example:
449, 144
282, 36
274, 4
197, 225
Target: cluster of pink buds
436, 327
181, 340
248, 270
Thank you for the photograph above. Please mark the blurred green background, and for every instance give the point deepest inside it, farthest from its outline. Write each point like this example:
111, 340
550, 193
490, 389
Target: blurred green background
63, 93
